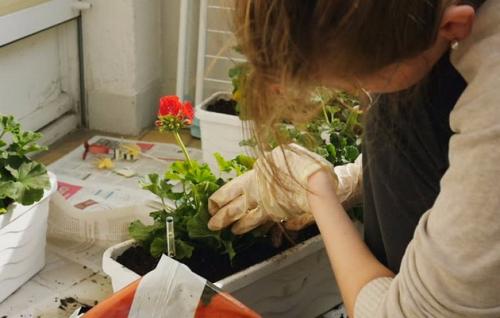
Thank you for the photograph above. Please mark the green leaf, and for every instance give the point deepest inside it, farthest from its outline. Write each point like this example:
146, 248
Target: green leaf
157, 186
8, 189
332, 152
27, 183
198, 229
32, 175
30, 196
9, 124
158, 246
183, 249
140, 232
228, 246
351, 153
240, 164
224, 166
177, 171
245, 161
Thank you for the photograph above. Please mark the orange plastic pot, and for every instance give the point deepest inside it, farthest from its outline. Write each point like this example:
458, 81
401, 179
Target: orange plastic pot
220, 305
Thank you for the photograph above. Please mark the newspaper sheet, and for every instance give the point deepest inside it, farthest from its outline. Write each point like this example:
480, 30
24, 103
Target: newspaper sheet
88, 188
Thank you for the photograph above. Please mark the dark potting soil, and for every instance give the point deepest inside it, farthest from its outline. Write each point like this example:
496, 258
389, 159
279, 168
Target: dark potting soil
223, 106
69, 304
84, 309
210, 265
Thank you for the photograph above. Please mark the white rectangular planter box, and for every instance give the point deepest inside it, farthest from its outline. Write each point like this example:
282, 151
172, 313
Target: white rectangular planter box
298, 282
23, 232
220, 133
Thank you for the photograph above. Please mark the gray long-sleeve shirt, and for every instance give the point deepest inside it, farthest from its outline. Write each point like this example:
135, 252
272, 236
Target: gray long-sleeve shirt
451, 268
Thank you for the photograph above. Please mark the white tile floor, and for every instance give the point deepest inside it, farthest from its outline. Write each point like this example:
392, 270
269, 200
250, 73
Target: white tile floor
71, 277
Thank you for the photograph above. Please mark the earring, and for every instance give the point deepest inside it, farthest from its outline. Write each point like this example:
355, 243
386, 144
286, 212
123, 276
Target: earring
454, 44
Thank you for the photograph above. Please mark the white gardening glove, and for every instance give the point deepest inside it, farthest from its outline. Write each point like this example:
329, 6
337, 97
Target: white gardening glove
350, 183
256, 198
349, 192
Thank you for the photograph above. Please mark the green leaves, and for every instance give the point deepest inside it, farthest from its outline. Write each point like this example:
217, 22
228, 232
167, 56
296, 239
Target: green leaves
21, 179
238, 75
140, 232
350, 153
189, 187
23, 142
338, 130
31, 175
157, 247
240, 164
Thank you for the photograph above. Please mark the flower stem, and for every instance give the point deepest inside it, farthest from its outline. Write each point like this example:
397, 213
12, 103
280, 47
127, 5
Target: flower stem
323, 106
183, 148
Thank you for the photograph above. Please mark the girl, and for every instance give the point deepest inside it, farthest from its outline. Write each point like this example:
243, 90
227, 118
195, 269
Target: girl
441, 263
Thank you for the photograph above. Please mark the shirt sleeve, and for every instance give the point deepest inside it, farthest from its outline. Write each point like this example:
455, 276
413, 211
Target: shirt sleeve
451, 268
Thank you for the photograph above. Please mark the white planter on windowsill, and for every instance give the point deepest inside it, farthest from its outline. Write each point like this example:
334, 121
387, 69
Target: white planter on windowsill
296, 283
23, 232
220, 133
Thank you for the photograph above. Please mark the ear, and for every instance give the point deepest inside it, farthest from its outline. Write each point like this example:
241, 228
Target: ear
457, 21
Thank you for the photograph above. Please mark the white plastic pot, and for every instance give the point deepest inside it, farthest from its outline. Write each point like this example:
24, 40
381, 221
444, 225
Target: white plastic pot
220, 133
23, 232
296, 283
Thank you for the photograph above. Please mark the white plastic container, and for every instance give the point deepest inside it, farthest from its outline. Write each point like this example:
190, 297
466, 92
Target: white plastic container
296, 283
23, 232
220, 133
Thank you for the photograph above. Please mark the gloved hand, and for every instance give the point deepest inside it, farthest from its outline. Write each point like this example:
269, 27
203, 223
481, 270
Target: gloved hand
349, 192
350, 183
255, 198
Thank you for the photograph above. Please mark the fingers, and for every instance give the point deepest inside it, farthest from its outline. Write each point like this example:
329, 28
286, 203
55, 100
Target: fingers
300, 222
228, 214
250, 221
229, 192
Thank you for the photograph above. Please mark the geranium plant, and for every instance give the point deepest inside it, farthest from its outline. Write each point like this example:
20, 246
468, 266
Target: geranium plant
22, 180
187, 185
335, 134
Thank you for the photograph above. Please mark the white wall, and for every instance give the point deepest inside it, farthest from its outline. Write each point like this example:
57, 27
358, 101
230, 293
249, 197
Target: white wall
122, 49
130, 59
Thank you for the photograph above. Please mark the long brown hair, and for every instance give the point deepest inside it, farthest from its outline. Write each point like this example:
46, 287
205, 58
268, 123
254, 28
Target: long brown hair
287, 43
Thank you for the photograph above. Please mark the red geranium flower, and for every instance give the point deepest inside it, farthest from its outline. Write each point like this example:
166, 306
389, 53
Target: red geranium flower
188, 112
173, 114
169, 105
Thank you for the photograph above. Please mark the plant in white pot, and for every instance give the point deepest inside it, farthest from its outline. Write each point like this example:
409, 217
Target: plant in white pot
221, 125
25, 188
274, 281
